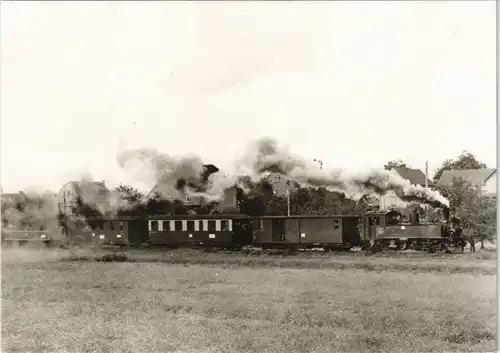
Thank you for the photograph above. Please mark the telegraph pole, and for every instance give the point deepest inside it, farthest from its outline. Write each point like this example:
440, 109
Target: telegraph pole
287, 192
64, 215
426, 174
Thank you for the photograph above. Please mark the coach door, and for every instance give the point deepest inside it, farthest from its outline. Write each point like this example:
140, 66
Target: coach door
374, 222
242, 230
278, 230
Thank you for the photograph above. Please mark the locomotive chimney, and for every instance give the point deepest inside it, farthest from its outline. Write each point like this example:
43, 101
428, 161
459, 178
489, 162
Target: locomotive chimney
446, 214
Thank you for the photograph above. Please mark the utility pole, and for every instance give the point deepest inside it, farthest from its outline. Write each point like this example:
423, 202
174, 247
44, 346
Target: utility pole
320, 163
426, 174
65, 219
287, 192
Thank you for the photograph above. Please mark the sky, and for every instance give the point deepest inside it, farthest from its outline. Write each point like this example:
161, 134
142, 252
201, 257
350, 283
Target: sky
355, 84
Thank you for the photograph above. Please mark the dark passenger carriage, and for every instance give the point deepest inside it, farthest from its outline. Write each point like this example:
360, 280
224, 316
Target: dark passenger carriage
31, 229
103, 230
306, 231
201, 230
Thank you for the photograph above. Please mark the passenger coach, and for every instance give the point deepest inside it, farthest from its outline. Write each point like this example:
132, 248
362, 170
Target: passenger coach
328, 232
109, 231
224, 231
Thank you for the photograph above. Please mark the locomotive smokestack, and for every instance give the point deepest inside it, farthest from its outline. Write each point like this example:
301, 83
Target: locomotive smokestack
446, 214
414, 218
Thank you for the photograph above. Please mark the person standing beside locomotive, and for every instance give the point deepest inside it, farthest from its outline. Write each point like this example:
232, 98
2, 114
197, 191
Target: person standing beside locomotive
472, 242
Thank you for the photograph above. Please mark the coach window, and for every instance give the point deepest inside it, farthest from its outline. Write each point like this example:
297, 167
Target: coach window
190, 226
211, 226
166, 226
178, 225
224, 226
121, 225
336, 224
102, 225
258, 224
92, 225
111, 226
154, 226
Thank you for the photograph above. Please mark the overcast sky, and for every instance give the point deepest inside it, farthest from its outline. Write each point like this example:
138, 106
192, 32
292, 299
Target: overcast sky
353, 83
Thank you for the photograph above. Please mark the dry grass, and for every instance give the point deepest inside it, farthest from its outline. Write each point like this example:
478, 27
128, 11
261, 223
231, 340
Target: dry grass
480, 263
61, 306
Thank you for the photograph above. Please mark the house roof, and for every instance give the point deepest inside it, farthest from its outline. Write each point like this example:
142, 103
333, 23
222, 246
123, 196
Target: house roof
87, 186
18, 196
12, 197
414, 176
474, 176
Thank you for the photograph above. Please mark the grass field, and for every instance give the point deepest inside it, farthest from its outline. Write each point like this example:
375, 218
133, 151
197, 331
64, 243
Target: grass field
160, 303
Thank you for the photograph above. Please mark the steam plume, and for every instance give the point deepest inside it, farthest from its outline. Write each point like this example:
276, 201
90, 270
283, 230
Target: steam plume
266, 156
187, 176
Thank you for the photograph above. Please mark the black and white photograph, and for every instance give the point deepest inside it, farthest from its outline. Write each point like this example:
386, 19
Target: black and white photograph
248, 176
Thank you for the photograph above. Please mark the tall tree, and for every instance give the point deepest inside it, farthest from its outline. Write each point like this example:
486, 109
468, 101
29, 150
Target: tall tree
131, 201
477, 211
465, 161
478, 217
84, 209
129, 193
395, 164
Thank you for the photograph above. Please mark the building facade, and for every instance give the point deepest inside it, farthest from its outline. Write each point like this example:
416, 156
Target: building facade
95, 194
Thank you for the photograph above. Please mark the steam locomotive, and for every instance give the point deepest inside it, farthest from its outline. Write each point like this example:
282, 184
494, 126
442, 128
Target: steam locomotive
375, 230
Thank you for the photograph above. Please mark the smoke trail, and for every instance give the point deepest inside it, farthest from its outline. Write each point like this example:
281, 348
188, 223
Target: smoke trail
176, 177
265, 156
188, 176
